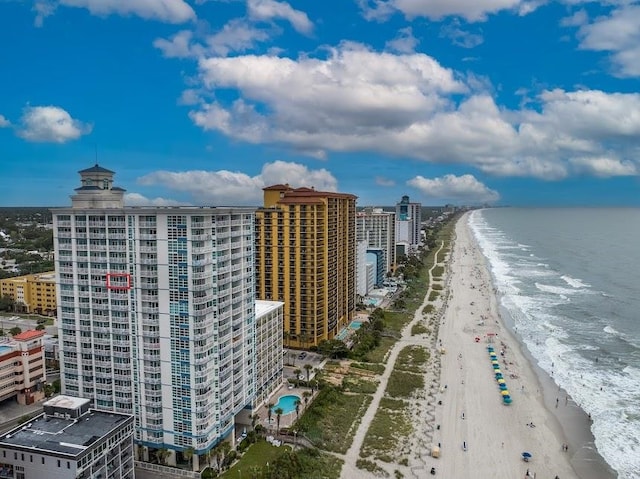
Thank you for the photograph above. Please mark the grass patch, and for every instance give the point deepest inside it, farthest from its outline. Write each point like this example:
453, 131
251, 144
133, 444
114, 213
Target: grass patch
438, 270
403, 384
429, 308
329, 419
301, 464
395, 321
256, 456
434, 295
371, 466
390, 424
359, 385
419, 328
376, 368
436, 287
378, 355
412, 359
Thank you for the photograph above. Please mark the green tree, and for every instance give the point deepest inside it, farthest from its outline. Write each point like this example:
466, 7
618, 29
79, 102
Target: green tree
15, 331
297, 372
279, 411
297, 404
308, 368
188, 454
7, 303
270, 411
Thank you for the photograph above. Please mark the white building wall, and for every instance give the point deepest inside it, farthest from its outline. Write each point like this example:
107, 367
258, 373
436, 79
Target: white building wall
361, 268
377, 228
175, 349
371, 276
269, 357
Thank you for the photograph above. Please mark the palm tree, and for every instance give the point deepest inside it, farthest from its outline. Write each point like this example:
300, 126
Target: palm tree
306, 395
279, 413
297, 404
254, 418
270, 411
255, 472
187, 455
162, 455
225, 447
308, 368
297, 373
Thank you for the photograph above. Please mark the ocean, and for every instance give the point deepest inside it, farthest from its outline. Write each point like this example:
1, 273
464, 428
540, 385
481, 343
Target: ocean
570, 281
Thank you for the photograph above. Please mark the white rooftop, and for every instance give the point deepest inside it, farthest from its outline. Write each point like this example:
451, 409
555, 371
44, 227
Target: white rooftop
67, 402
264, 307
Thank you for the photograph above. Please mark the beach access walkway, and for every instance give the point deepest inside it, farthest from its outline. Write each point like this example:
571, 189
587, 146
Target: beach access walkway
349, 469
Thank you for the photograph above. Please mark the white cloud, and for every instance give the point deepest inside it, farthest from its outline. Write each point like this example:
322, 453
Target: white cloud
604, 167
471, 10
50, 124
4, 123
408, 105
178, 46
136, 199
578, 18
266, 10
460, 37
464, 189
618, 33
405, 42
237, 35
382, 181
170, 11
42, 9
225, 187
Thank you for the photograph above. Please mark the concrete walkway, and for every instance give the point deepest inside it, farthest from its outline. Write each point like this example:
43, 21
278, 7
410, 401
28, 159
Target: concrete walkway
349, 470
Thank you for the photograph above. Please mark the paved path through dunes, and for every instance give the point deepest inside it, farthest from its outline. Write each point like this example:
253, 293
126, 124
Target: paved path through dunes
349, 470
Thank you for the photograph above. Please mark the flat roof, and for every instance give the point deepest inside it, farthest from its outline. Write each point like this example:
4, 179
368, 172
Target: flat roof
264, 307
67, 402
27, 335
63, 436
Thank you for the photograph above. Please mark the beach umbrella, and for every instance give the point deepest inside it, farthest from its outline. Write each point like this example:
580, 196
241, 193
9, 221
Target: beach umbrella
496, 366
501, 381
491, 353
497, 371
505, 392
526, 456
503, 387
506, 399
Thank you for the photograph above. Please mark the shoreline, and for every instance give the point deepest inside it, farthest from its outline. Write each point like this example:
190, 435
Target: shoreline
479, 435
572, 422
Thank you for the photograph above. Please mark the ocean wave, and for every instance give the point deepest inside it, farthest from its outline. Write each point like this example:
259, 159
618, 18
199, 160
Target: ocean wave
548, 288
576, 283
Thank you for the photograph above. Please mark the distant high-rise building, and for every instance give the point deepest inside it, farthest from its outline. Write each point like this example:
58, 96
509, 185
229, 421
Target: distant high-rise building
269, 357
377, 228
156, 313
408, 225
32, 293
306, 258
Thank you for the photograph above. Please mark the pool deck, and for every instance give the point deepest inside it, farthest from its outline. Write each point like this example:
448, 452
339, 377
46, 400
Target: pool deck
286, 420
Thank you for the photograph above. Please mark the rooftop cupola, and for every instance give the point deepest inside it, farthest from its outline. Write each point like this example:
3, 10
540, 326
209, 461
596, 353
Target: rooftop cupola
97, 190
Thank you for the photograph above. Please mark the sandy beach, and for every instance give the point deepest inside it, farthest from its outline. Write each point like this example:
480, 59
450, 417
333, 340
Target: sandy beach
479, 435
461, 409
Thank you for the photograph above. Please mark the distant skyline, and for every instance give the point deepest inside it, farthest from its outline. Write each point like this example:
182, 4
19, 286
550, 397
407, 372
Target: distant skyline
204, 102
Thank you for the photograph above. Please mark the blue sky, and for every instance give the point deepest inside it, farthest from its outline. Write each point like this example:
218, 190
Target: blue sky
520, 102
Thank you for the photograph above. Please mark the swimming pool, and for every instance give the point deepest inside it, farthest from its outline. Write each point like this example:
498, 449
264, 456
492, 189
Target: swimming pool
5, 349
355, 324
286, 403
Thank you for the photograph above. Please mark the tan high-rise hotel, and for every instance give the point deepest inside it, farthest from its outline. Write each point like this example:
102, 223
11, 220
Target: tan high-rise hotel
306, 257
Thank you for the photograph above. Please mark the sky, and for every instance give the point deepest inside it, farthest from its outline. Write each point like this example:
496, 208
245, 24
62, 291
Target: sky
206, 102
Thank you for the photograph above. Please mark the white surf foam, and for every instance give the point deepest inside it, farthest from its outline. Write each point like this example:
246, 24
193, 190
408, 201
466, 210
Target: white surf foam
576, 283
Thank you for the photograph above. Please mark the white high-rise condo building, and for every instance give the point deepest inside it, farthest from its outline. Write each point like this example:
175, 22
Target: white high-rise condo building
408, 226
156, 313
377, 228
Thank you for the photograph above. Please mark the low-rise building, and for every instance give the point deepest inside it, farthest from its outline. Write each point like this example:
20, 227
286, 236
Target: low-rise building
269, 360
32, 293
69, 441
22, 369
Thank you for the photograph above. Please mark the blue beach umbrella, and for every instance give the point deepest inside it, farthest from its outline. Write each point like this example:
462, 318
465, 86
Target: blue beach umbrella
503, 387
496, 366
507, 400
